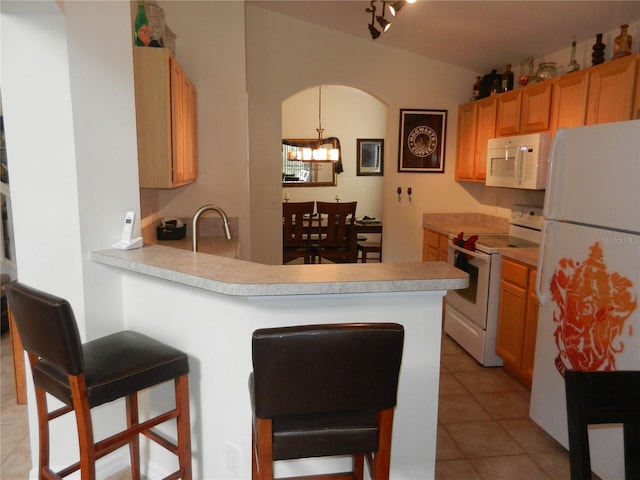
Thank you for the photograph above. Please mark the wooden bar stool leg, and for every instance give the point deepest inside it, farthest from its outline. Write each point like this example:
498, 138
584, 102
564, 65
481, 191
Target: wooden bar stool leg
358, 467
134, 444
183, 426
43, 432
85, 427
19, 371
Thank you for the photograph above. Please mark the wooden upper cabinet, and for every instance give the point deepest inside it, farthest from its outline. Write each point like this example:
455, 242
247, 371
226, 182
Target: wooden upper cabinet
166, 118
508, 113
476, 125
612, 88
485, 129
526, 110
466, 141
536, 108
570, 93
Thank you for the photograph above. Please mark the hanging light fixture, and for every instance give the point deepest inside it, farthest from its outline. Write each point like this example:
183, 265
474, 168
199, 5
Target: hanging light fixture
385, 25
320, 153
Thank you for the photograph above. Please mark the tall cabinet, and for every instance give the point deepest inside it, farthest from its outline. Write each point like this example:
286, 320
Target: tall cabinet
166, 117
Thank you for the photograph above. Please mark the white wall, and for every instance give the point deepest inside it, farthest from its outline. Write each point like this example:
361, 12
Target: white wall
348, 114
398, 79
70, 128
210, 47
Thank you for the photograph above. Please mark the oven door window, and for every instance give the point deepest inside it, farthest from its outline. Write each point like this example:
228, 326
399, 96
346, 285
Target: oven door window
471, 292
472, 301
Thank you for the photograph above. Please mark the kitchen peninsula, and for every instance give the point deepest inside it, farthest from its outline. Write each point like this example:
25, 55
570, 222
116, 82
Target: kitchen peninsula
209, 305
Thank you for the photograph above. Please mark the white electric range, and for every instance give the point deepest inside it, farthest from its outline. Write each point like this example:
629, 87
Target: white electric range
471, 314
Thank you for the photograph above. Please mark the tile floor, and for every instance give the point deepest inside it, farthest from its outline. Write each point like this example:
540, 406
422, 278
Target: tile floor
484, 429
484, 432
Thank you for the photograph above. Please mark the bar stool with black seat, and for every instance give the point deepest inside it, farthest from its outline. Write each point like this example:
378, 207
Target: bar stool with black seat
325, 390
598, 398
83, 376
296, 235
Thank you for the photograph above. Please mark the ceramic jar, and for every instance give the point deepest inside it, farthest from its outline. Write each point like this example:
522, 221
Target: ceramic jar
546, 70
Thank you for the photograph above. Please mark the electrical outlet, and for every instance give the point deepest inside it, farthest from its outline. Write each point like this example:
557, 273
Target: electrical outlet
233, 459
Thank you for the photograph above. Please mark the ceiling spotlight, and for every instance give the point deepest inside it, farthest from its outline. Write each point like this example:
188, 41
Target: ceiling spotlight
384, 23
394, 7
375, 33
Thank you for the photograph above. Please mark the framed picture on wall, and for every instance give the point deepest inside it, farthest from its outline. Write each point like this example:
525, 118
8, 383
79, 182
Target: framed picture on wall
370, 156
422, 141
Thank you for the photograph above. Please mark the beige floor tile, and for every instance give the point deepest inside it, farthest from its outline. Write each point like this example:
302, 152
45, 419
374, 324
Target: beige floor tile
446, 448
482, 439
15, 467
483, 381
556, 465
512, 467
450, 386
455, 470
449, 346
530, 436
460, 408
504, 405
460, 362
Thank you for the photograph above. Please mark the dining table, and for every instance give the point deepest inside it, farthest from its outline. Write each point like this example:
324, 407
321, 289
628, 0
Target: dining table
361, 226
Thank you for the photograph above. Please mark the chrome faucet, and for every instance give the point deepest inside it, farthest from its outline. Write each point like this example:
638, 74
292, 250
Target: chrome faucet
199, 212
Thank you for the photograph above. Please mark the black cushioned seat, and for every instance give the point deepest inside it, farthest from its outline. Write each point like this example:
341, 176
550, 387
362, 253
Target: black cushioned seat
83, 376
115, 366
325, 390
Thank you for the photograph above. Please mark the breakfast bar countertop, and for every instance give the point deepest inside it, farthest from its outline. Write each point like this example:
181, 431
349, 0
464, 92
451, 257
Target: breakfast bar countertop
242, 278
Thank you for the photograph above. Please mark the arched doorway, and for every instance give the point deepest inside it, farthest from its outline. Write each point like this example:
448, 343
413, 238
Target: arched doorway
349, 114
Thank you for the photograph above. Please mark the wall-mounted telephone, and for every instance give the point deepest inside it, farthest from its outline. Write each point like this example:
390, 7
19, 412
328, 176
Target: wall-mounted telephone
126, 242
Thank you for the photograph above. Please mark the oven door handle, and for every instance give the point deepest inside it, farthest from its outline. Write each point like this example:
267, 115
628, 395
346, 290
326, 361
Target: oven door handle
480, 256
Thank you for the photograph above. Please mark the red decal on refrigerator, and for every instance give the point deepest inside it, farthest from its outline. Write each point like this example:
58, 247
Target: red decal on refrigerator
592, 308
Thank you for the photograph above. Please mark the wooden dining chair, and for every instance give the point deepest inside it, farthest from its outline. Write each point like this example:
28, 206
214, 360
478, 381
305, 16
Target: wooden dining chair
337, 241
296, 238
367, 247
599, 398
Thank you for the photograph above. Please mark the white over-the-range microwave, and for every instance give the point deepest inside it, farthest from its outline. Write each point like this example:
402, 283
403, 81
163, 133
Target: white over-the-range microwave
518, 162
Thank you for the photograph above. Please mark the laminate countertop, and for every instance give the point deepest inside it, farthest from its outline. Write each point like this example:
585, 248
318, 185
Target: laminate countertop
230, 276
528, 256
469, 223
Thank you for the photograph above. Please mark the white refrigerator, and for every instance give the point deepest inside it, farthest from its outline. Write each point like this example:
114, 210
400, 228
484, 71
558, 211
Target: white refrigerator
589, 275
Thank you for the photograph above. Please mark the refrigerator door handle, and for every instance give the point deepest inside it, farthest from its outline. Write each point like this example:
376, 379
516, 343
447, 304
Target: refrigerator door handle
553, 179
543, 298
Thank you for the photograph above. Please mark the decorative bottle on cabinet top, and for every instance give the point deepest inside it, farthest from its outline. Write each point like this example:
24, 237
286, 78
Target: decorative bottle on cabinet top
476, 88
597, 57
507, 79
526, 70
622, 43
573, 65
142, 34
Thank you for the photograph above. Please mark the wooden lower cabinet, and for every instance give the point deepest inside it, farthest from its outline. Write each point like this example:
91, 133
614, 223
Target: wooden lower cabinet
434, 246
517, 320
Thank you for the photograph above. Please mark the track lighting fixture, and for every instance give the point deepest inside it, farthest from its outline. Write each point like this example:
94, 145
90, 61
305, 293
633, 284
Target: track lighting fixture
375, 33
394, 8
383, 22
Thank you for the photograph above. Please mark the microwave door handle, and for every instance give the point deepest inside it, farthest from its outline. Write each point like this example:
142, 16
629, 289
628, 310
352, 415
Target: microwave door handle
480, 256
519, 164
